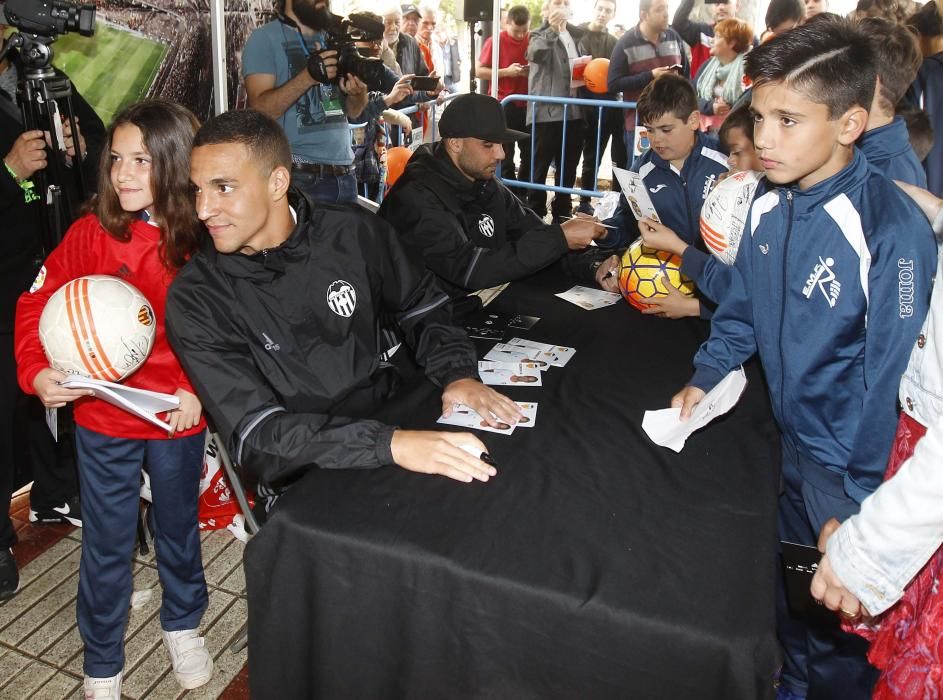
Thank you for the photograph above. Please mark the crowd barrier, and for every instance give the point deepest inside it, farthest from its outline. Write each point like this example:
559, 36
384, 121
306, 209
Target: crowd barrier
411, 109
599, 105
566, 102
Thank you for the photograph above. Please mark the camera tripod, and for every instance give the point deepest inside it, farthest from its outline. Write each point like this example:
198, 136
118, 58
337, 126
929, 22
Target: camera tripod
45, 100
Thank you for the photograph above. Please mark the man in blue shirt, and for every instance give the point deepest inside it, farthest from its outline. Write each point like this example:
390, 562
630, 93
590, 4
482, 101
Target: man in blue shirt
290, 77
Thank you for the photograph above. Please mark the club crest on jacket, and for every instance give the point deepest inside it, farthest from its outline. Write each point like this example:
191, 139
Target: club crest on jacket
342, 298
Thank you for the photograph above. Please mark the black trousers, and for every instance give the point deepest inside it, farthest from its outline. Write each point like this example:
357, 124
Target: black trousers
516, 118
549, 143
24, 437
611, 131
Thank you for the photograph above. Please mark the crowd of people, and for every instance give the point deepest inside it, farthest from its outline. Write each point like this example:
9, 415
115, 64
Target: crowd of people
290, 316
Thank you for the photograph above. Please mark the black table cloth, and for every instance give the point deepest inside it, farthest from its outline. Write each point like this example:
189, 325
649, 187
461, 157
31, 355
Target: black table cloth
594, 565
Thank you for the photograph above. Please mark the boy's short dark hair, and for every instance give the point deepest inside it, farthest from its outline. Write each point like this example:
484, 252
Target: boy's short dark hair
739, 118
927, 21
613, 2
519, 14
667, 94
780, 11
919, 130
897, 56
892, 10
828, 62
262, 135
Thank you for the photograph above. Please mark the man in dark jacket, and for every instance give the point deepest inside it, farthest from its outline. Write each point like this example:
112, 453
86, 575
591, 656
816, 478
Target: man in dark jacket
54, 495
278, 323
463, 224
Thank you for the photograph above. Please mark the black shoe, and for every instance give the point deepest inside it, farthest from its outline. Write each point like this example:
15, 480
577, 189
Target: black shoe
9, 576
585, 208
68, 512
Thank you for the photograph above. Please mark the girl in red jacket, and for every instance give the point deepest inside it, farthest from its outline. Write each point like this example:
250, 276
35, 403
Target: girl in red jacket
142, 229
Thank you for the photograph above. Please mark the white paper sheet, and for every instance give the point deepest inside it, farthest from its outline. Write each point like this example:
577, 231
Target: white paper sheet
665, 427
142, 403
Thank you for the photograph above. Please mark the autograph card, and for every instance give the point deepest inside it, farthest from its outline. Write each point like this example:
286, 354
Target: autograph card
636, 194
530, 344
558, 355
530, 414
509, 373
589, 298
504, 352
464, 417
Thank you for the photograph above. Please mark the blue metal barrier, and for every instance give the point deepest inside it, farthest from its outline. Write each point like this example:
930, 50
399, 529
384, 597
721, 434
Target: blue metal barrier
411, 109
566, 102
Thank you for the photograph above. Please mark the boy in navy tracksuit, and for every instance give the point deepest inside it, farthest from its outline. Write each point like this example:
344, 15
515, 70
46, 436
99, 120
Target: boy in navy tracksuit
679, 170
830, 286
885, 142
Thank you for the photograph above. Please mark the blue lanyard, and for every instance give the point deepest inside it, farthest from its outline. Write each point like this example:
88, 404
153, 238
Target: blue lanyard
304, 46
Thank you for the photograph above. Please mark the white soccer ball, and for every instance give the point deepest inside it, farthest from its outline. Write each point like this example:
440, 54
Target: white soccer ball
97, 326
724, 214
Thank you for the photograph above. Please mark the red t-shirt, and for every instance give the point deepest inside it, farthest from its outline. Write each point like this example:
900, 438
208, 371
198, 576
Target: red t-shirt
511, 51
87, 249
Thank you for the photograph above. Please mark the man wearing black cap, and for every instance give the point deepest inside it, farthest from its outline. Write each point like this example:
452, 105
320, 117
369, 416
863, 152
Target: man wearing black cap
465, 225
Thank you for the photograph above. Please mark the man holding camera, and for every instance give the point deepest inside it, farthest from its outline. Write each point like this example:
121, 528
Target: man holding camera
291, 74
54, 494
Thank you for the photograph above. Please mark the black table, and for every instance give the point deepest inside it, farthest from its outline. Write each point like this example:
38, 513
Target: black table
595, 565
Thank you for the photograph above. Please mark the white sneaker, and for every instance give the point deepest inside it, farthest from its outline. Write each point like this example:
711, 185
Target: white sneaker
191, 660
103, 688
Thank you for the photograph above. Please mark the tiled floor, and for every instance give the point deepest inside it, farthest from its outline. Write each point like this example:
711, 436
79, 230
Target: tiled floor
40, 648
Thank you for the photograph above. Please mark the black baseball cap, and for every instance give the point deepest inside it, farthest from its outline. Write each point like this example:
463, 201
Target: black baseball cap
477, 116
410, 9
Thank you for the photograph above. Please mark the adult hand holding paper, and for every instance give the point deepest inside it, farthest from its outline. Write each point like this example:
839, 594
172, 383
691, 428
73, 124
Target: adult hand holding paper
665, 426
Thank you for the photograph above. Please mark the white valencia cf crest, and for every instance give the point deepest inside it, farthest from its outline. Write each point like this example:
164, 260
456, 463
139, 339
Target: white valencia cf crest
342, 298
486, 225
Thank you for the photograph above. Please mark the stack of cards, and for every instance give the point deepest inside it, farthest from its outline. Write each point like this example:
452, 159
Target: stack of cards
589, 298
465, 417
518, 362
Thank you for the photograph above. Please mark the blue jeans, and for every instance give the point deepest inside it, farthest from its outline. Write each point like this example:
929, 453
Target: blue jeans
110, 477
820, 661
330, 189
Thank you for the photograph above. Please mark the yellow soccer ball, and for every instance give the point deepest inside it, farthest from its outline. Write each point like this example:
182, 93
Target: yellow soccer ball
646, 271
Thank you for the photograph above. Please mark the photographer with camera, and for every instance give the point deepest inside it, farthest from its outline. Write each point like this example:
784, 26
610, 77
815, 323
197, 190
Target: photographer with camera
291, 72
54, 495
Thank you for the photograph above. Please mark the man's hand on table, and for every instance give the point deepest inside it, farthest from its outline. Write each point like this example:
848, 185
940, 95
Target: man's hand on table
439, 452
493, 407
686, 400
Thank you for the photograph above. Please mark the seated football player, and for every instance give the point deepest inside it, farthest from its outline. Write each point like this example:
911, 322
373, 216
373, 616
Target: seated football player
454, 217
678, 171
277, 322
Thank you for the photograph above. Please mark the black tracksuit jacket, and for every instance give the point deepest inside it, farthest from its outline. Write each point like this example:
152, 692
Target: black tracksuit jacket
283, 346
471, 234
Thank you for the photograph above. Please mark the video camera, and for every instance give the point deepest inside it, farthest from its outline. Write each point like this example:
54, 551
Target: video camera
343, 33
49, 18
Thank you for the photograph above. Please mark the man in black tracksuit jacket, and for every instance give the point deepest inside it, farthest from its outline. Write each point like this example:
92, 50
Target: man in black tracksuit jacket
454, 217
277, 322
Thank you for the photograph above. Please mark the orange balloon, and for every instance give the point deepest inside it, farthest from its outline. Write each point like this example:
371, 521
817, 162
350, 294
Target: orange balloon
596, 75
396, 163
